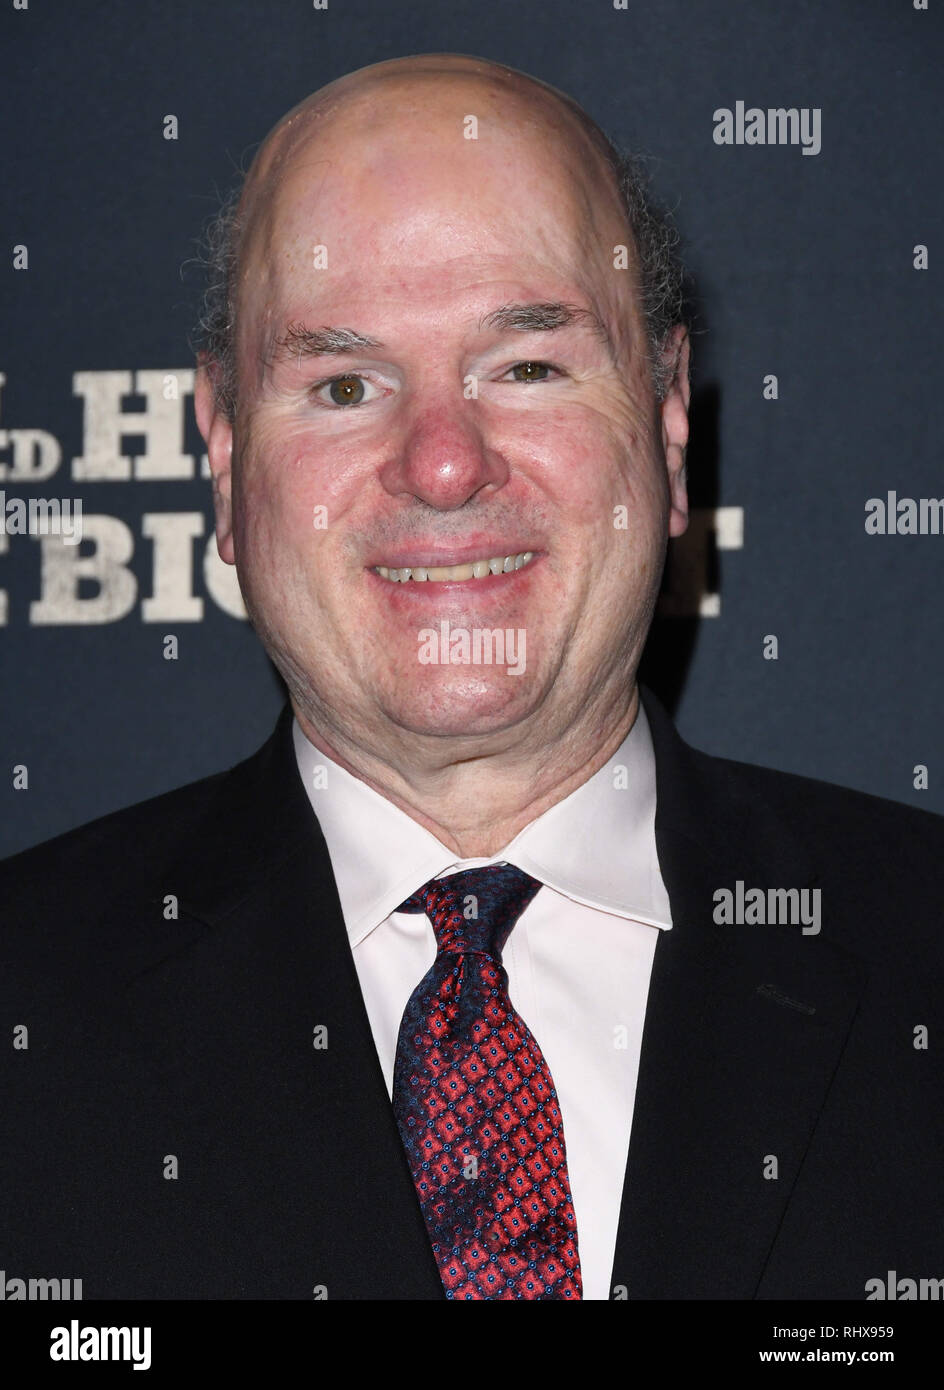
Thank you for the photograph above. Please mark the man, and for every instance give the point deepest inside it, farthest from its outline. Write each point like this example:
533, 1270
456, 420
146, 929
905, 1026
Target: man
475, 982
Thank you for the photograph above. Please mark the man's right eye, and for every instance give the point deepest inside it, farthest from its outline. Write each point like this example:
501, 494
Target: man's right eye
345, 390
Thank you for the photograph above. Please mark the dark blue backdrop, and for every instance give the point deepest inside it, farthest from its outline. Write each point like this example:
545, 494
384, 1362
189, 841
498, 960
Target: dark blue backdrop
805, 267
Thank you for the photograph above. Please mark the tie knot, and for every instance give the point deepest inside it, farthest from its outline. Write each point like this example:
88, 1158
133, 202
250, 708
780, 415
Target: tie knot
474, 910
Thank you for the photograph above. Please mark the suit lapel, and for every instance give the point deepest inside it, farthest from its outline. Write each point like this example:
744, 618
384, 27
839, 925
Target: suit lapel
294, 1146
744, 1029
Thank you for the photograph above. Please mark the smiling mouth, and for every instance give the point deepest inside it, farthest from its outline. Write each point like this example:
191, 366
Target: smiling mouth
475, 569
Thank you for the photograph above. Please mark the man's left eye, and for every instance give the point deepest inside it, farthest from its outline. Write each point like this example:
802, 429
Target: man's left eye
532, 371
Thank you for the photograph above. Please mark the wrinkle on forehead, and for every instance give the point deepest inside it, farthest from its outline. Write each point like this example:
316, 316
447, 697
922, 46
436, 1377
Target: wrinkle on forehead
417, 104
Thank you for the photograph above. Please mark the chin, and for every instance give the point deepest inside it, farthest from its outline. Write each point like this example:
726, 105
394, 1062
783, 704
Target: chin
474, 706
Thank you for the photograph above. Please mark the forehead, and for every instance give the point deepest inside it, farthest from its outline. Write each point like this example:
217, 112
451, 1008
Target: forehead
402, 201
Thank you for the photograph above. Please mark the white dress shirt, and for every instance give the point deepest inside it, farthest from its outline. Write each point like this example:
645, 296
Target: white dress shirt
579, 958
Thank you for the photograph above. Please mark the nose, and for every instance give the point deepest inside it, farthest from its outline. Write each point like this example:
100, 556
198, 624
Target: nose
443, 460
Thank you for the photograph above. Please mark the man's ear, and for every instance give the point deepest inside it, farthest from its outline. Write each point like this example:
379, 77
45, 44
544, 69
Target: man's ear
674, 416
217, 434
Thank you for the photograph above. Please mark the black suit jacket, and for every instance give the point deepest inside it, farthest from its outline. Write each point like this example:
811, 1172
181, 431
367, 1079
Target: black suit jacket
155, 1037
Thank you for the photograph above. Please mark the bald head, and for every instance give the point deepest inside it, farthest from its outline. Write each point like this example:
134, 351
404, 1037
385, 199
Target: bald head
421, 95
449, 128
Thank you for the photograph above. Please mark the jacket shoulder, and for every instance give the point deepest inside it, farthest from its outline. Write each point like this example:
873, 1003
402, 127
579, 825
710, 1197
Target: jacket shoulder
123, 846
84, 913
879, 863
94, 900
698, 786
816, 808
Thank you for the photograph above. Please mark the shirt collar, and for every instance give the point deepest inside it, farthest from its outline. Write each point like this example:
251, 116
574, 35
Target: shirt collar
596, 846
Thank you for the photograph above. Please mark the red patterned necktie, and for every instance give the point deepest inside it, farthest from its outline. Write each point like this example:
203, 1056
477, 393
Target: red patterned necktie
476, 1106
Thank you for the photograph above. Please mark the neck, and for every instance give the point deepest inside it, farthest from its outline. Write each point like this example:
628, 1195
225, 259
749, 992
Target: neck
477, 805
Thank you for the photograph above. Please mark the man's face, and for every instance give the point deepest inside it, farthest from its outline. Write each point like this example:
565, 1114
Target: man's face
437, 446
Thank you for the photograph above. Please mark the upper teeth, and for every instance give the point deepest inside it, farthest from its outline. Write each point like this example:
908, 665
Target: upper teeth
477, 569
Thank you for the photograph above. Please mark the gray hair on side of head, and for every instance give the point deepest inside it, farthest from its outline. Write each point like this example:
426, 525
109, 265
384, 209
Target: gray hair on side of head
214, 334
662, 271
656, 239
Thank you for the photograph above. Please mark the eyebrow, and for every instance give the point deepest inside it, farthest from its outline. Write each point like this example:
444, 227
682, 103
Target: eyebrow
538, 316
545, 316
298, 341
